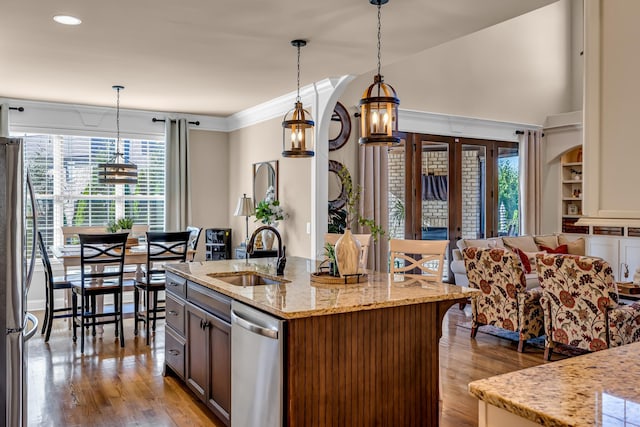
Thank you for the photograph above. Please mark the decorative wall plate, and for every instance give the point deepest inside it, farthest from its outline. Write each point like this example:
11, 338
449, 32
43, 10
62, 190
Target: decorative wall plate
341, 115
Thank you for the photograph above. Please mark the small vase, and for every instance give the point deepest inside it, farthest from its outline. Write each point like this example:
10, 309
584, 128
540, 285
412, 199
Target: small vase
347, 254
267, 239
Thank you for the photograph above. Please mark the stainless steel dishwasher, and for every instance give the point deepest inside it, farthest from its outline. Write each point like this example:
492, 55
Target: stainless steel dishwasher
256, 367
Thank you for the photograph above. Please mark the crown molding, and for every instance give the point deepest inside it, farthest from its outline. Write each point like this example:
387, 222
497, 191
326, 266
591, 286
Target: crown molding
89, 120
277, 107
464, 127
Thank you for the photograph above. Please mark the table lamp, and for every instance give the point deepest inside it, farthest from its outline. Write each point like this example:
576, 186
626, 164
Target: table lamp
245, 209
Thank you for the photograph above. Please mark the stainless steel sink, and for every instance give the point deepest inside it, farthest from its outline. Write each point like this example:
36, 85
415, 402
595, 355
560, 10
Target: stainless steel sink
247, 279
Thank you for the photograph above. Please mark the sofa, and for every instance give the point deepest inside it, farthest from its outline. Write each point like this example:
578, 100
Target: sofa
525, 246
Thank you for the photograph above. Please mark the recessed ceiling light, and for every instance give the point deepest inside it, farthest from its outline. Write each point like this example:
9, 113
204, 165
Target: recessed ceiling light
67, 20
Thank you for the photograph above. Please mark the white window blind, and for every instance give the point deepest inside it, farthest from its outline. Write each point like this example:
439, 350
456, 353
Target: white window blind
65, 176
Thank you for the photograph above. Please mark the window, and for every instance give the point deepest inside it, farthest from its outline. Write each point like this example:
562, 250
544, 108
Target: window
64, 173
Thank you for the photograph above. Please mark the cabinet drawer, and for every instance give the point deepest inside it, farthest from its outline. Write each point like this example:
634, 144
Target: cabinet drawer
175, 313
174, 354
209, 300
176, 285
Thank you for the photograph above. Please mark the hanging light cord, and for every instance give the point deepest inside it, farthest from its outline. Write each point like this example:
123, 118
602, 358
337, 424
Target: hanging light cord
298, 97
379, 37
118, 122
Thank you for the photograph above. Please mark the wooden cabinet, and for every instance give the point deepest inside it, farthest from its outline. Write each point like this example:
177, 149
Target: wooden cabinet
572, 191
174, 352
198, 342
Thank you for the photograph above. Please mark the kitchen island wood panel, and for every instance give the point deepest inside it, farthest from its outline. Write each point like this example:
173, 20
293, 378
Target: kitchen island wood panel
373, 367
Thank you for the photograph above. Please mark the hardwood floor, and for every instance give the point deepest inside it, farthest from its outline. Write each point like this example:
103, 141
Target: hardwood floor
113, 386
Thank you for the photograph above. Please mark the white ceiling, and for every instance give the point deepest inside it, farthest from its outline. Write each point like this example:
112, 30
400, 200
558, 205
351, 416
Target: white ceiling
215, 57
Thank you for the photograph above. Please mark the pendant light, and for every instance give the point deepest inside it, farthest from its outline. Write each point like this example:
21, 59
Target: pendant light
379, 106
297, 126
117, 170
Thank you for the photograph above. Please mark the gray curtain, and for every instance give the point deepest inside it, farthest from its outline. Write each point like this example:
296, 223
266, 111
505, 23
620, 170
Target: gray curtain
178, 188
374, 204
531, 181
4, 119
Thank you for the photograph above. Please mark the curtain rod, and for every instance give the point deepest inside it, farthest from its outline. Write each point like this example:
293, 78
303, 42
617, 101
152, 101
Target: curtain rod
521, 132
197, 123
21, 109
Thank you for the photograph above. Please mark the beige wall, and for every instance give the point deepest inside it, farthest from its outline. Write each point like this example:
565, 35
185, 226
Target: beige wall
516, 71
209, 173
619, 90
259, 143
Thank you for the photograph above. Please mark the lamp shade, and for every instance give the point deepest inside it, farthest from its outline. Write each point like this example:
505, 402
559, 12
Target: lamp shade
244, 207
379, 114
298, 133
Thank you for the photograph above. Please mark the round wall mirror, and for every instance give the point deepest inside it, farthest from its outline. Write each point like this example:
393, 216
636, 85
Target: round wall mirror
337, 192
265, 180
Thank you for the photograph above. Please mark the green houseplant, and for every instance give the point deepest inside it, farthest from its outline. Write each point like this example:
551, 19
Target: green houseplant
124, 223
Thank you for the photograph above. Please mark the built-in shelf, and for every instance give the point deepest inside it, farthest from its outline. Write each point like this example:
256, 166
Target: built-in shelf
571, 191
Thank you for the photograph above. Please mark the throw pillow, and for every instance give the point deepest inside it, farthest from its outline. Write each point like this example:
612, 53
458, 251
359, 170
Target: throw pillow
575, 247
562, 249
548, 241
526, 243
524, 260
483, 243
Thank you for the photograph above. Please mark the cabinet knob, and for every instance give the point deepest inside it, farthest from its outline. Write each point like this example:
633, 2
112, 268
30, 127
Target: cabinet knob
173, 312
174, 352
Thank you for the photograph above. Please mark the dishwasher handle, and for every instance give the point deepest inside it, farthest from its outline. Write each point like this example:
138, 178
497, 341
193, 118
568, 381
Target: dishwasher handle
252, 327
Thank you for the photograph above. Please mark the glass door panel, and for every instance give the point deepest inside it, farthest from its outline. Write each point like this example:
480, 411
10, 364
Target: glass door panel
474, 190
508, 191
396, 182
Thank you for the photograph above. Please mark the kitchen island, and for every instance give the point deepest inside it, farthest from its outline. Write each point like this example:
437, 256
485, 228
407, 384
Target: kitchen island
354, 354
596, 389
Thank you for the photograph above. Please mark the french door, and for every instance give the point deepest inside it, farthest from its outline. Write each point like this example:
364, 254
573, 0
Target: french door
448, 188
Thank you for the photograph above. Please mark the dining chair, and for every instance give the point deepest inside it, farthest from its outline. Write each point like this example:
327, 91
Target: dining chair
52, 284
425, 255
505, 301
363, 239
162, 247
101, 273
194, 236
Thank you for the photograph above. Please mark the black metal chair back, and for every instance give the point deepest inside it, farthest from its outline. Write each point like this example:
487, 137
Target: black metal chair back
45, 260
51, 284
163, 247
98, 251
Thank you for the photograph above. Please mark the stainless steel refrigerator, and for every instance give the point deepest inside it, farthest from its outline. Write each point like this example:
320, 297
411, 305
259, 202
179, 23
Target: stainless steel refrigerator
17, 206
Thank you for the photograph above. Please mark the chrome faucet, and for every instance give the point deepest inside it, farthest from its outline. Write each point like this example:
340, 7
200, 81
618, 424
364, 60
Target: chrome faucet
282, 259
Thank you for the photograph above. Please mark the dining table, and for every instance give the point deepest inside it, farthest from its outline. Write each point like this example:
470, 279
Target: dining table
69, 256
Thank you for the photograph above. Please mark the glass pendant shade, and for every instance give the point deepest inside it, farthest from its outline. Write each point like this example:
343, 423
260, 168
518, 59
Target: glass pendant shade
379, 114
298, 133
117, 170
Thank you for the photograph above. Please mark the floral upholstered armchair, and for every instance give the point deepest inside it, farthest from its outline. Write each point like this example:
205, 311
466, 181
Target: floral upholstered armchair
504, 301
580, 304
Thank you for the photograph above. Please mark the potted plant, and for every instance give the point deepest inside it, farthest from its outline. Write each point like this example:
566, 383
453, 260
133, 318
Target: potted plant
120, 224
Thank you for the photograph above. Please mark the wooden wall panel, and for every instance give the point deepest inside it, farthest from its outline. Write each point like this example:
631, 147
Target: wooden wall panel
373, 367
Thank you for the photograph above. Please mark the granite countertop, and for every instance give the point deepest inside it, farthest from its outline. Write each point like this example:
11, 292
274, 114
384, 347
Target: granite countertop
597, 389
299, 297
